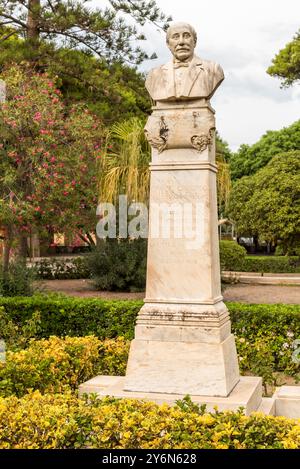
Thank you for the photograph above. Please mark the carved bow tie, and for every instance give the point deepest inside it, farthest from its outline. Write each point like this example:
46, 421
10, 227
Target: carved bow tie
181, 64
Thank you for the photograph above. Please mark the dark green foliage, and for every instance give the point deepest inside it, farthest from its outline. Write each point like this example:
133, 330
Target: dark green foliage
100, 31
286, 64
18, 280
119, 265
267, 204
250, 158
63, 316
232, 255
275, 264
222, 148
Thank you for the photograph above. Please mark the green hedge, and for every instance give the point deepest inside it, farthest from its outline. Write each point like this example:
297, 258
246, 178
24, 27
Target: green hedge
63, 421
66, 316
233, 258
265, 334
274, 264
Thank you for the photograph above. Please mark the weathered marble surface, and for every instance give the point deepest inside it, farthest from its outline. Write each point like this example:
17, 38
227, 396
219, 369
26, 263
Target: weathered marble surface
246, 394
183, 342
186, 76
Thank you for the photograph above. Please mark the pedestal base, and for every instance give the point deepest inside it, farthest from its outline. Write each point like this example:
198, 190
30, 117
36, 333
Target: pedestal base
195, 368
247, 394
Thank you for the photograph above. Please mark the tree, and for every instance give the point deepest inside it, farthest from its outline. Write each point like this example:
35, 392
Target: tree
89, 50
48, 24
114, 91
286, 64
125, 167
250, 158
49, 158
223, 156
267, 204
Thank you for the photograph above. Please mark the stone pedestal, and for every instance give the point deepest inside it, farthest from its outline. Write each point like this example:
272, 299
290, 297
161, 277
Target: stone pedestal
183, 343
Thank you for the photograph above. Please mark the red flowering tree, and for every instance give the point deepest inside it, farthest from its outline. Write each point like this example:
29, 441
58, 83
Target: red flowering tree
48, 161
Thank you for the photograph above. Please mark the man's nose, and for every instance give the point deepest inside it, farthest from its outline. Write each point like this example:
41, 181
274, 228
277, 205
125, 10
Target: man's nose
182, 39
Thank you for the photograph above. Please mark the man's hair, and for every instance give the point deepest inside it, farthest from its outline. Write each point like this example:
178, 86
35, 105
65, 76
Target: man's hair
185, 25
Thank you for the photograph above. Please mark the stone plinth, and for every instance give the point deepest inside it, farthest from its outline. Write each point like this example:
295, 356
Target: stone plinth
287, 401
246, 394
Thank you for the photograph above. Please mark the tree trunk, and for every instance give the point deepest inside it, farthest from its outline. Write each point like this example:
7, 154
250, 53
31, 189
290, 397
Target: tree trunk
23, 247
33, 22
7, 248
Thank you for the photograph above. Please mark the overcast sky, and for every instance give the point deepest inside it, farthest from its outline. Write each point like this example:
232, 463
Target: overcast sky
243, 37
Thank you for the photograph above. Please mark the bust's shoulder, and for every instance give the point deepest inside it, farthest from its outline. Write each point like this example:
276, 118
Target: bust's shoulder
158, 70
209, 64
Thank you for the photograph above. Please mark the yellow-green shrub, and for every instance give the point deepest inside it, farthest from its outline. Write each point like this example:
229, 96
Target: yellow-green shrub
57, 364
63, 421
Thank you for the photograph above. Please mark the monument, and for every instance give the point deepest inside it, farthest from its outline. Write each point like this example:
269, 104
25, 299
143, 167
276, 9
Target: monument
183, 342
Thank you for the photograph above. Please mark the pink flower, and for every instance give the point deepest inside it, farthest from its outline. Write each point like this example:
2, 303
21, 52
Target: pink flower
37, 116
53, 159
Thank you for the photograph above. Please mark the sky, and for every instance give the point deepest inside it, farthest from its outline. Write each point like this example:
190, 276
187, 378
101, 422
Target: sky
243, 37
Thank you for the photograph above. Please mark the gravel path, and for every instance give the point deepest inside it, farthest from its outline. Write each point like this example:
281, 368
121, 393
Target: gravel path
240, 292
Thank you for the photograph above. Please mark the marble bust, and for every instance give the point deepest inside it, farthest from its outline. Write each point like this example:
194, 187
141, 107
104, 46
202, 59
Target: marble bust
187, 76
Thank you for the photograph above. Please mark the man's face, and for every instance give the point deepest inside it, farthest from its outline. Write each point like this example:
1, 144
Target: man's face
181, 43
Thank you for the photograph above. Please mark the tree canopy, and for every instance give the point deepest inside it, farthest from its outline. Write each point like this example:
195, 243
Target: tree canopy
73, 24
90, 50
267, 204
250, 158
286, 64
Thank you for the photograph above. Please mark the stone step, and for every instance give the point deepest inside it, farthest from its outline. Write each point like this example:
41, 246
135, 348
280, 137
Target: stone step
267, 406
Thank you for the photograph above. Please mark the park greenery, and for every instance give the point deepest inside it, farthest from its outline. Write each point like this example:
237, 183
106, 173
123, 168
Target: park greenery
72, 135
250, 158
63, 421
267, 204
286, 64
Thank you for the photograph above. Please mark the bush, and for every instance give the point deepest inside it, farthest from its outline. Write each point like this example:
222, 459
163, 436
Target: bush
63, 421
232, 255
274, 264
265, 333
62, 269
67, 316
57, 365
119, 265
18, 335
266, 337
18, 280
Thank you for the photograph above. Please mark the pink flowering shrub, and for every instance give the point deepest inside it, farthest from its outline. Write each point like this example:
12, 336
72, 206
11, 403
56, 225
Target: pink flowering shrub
49, 158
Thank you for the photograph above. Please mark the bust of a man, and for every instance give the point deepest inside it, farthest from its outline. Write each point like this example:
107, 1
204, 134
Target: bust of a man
187, 76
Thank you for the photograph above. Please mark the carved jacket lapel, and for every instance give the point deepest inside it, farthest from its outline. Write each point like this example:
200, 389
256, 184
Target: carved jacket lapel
194, 69
168, 78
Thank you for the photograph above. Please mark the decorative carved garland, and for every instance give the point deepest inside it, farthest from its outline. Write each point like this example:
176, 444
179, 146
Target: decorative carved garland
203, 141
